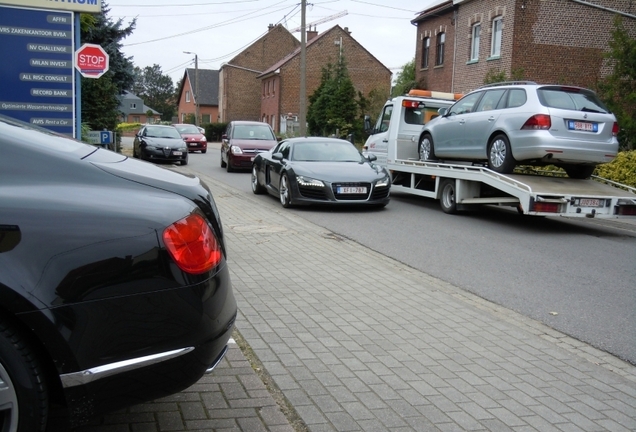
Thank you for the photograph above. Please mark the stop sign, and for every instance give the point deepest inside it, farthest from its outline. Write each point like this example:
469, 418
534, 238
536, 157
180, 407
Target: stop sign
91, 60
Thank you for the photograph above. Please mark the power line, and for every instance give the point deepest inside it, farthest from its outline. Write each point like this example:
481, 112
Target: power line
221, 24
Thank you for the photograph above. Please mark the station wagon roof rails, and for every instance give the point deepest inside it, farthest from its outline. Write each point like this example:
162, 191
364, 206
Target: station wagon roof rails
509, 83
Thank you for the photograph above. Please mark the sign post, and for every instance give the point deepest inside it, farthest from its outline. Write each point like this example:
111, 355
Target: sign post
91, 61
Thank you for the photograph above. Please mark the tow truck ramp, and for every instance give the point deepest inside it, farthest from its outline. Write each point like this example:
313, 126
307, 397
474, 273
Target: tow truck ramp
540, 193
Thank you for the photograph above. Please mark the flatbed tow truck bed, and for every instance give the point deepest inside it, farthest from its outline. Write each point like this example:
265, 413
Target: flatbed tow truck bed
541, 193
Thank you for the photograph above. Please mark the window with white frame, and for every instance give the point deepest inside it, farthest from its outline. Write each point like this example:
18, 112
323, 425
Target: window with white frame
187, 96
439, 54
426, 48
133, 105
474, 45
495, 44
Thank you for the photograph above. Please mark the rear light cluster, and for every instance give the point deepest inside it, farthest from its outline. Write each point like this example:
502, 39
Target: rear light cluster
545, 207
192, 244
615, 129
626, 210
538, 122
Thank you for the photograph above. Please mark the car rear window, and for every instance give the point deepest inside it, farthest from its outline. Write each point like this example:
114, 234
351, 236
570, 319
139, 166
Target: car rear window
571, 98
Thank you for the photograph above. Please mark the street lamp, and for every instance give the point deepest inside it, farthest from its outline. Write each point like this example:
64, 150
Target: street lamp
196, 86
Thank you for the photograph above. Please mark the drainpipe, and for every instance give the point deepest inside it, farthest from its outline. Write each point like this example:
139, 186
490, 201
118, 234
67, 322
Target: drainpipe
454, 50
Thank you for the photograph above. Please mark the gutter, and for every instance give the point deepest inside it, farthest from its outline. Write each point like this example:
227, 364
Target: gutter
583, 2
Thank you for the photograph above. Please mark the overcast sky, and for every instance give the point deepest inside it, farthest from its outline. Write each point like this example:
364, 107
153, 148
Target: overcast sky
217, 30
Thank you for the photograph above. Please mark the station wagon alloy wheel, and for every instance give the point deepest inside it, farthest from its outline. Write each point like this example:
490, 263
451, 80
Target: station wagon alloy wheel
499, 155
426, 148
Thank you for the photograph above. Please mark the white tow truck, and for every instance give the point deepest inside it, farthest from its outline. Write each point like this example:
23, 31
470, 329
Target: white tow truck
395, 140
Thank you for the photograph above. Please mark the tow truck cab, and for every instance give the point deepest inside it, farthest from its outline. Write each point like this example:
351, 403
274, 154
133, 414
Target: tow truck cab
398, 129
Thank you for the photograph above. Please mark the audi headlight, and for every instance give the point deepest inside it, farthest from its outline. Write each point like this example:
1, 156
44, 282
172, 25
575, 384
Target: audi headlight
382, 183
309, 182
236, 150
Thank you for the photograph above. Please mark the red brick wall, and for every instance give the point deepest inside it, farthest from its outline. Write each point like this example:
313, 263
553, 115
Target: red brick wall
564, 42
270, 99
434, 77
240, 96
547, 41
185, 108
366, 72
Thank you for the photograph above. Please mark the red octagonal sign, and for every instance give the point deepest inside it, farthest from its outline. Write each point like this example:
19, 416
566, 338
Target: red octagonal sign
91, 61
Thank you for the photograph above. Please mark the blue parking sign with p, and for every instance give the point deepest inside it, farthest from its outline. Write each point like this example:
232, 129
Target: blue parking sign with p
105, 137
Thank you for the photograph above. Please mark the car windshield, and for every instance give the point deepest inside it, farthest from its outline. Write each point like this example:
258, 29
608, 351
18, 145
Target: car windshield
253, 132
188, 129
571, 98
162, 132
325, 151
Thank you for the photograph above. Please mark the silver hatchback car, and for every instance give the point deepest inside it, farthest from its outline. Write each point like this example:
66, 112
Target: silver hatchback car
525, 123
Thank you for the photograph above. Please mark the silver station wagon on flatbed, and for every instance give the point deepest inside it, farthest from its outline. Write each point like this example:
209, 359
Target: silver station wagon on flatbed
525, 123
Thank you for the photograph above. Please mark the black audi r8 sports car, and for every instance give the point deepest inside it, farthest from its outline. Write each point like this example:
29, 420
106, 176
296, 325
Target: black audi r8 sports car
315, 170
114, 284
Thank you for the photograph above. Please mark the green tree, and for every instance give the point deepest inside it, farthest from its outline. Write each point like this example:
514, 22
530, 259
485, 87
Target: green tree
618, 90
156, 89
99, 96
333, 108
405, 80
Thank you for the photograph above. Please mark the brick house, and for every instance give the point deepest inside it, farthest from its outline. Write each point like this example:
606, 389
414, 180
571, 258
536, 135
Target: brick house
548, 41
239, 90
133, 110
280, 84
207, 98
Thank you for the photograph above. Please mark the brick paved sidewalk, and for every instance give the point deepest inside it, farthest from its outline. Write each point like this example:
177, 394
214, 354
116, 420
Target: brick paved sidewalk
356, 341
232, 398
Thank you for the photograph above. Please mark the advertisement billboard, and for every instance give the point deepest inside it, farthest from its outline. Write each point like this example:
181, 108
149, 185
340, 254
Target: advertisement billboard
37, 73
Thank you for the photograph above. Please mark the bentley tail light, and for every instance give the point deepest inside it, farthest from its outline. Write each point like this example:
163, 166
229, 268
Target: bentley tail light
192, 244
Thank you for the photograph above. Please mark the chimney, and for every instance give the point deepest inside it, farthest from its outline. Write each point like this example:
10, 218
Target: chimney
346, 29
311, 34
270, 27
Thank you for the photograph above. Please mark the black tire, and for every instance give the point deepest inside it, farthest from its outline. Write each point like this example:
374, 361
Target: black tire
184, 162
24, 385
426, 149
135, 156
447, 196
500, 155
223, 164
284, 192
579, 171
257, 188
229, 166
204, 151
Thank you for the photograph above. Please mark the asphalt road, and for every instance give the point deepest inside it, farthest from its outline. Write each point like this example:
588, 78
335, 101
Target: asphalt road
575, 275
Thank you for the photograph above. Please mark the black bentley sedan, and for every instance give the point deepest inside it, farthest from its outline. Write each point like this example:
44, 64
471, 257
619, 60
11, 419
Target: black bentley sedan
114, 285
316, 170
160, 143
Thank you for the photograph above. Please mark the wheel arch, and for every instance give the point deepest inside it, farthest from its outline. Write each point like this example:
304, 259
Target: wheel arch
492, 136
36, 329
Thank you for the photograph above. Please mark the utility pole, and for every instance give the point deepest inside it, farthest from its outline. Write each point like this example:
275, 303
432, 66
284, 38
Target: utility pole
196, 86
303, 70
